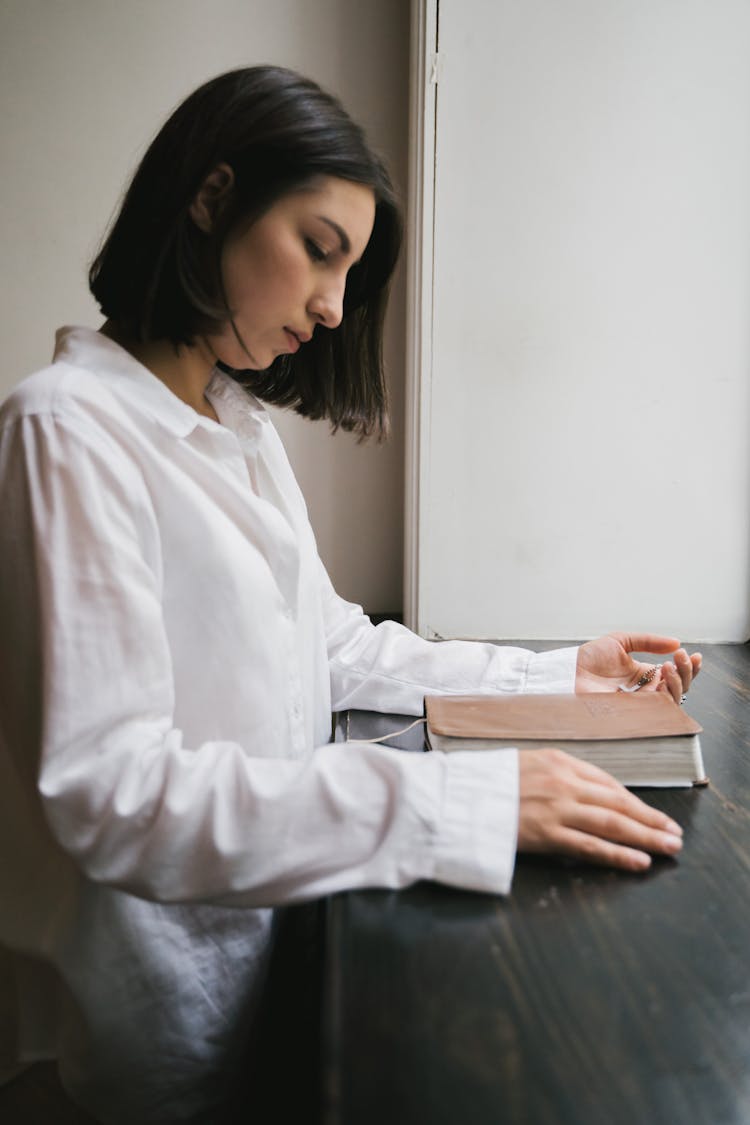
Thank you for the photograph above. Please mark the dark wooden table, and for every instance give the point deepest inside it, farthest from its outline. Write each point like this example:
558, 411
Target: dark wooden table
587, 997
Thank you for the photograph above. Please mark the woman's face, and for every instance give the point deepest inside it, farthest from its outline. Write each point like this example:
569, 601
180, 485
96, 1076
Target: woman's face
286, 273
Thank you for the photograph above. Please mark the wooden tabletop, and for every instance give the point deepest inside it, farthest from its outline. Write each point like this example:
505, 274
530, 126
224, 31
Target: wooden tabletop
586, 997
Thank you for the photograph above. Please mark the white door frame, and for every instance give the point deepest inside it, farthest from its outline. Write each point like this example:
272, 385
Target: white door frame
419, 266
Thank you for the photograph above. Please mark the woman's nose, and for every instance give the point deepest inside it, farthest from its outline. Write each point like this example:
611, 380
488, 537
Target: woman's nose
327, 304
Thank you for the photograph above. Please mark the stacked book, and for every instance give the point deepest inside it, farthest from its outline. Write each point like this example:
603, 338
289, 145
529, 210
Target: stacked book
644, 739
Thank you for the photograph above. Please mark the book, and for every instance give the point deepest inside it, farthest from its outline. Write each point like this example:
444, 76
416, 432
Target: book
641, 739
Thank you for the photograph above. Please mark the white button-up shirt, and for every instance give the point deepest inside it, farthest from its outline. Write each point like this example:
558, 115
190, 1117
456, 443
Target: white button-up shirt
170, 653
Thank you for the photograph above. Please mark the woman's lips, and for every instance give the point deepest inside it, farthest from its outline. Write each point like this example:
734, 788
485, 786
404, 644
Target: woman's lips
293, 340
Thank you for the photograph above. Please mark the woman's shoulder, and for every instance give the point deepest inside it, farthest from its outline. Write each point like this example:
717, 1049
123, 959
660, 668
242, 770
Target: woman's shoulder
77, 388
66, 418
59, 410
63, 390
49, 391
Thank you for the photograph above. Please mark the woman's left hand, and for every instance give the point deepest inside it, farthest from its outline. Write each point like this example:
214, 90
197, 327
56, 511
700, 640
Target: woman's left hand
605, 664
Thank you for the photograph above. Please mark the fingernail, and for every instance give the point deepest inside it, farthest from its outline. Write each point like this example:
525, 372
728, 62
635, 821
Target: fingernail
641, 861
673, 827
672, 843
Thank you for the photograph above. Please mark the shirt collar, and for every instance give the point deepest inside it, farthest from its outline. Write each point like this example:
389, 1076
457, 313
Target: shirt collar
237, 407
143, 391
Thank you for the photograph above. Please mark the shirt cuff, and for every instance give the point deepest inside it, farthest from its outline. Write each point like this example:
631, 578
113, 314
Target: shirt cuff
552, 672
475, 847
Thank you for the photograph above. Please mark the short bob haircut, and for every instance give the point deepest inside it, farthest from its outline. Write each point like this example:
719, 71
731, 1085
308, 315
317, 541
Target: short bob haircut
157, 275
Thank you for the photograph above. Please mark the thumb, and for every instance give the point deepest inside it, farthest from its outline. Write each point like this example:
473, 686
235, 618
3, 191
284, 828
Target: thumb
647, 642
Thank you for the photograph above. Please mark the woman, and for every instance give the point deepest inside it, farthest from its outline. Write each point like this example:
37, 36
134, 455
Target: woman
173, 647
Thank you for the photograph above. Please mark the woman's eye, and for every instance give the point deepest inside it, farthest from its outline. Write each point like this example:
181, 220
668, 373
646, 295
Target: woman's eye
315, 251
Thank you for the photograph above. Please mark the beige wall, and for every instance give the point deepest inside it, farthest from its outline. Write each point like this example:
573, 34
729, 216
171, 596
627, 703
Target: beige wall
84, 84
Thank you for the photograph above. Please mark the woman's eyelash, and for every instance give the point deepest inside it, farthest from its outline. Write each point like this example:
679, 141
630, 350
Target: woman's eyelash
315, 251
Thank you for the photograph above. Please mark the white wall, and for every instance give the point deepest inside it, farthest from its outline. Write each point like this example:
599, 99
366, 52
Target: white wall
584, 450
84, 85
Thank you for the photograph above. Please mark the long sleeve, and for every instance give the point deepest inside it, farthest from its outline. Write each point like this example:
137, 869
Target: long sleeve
389, 668
126, 797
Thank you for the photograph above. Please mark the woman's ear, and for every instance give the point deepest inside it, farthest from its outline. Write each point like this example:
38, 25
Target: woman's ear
213, 191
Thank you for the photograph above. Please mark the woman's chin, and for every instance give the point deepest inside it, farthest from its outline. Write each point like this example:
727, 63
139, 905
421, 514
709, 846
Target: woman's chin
230, 356
240, 366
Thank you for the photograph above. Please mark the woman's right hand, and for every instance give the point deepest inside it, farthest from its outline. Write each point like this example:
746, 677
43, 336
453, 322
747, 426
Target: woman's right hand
572, 808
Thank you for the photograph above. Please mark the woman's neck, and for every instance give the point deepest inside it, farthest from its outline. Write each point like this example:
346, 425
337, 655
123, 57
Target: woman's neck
184, 370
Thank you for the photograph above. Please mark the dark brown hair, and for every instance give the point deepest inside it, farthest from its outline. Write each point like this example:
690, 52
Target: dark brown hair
157, 276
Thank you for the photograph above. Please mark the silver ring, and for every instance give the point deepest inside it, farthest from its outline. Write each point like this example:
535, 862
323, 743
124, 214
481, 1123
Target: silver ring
684, 697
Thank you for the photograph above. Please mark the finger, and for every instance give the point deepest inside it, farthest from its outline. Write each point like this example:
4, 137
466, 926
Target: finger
618, 828
684, 666
604, 789
621, 801
671, 681
697, 662
580, 845
646, 642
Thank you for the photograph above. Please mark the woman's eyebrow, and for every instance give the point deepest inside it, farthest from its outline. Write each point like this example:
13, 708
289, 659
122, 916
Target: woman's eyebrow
343, 236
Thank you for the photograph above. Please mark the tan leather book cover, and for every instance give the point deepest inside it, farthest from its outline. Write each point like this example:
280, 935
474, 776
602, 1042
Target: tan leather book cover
609, 715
